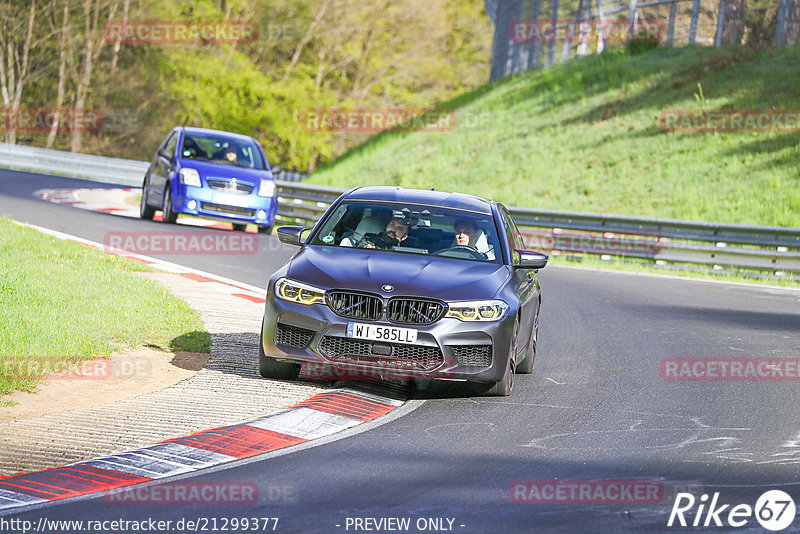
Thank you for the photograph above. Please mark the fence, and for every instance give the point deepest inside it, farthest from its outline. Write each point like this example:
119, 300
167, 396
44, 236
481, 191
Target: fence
772, 251
533, 33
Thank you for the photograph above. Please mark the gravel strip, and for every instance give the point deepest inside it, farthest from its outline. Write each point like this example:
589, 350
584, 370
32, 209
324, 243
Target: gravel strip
227, 390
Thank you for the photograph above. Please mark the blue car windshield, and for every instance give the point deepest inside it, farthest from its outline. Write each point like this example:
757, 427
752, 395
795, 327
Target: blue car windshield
416, 229
222, 150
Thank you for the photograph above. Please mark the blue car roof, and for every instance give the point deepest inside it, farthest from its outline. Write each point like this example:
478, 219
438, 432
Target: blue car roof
421, 196
194, 130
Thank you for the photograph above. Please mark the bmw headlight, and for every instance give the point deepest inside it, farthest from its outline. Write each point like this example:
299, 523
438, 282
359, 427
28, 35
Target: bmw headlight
299, 292
267, 188
477, 310
190, 177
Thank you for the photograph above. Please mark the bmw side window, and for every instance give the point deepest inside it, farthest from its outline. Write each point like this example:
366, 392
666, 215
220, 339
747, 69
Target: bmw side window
510, 237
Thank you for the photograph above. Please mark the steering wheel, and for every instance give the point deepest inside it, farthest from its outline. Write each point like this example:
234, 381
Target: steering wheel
461, 248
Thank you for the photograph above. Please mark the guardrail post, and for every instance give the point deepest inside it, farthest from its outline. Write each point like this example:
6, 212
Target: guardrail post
780, 30
693, 23
671, 28
720, 24
551, 46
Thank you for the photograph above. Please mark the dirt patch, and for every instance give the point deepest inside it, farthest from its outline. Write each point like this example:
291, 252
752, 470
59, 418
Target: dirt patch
129, 374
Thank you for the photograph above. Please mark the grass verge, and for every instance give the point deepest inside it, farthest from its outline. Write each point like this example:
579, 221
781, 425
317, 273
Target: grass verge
62, 303
586, 136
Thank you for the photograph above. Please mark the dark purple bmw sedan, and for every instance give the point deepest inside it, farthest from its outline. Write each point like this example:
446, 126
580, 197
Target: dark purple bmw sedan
404, 283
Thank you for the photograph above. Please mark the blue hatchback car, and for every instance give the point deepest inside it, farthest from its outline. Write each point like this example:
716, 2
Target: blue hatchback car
211, 174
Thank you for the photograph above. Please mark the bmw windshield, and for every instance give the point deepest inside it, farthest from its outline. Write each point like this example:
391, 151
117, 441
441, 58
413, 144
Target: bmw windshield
416, 229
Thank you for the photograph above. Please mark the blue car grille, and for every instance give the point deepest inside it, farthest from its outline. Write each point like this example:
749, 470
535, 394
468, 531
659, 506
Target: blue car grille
227, 210
415, 311
230, 186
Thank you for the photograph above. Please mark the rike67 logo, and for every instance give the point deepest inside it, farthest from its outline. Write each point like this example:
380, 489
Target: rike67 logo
774, 510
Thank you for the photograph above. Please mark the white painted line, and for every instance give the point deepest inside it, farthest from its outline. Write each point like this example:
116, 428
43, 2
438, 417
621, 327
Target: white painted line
157, 263
10, 498
304, 423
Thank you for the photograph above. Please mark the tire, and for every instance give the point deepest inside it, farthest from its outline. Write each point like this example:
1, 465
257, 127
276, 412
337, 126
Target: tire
271, 368
169, 215
265, 229
239, 227
145, 211
526, 366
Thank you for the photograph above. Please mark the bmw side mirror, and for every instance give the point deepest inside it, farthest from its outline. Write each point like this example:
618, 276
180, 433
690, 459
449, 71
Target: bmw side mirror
530, 259
292, 235
276, 169
164, 154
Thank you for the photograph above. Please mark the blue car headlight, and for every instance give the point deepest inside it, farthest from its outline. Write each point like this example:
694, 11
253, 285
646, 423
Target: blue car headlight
477, 310
190, 177
293, 291
267, 188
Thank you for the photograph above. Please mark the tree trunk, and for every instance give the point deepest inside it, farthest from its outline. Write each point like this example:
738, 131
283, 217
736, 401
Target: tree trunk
62, 67
733, 28
793, 23
118, 44
14, 71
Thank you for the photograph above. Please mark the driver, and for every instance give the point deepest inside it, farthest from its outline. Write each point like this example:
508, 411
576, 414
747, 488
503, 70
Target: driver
395, 233
466, 233
230, 155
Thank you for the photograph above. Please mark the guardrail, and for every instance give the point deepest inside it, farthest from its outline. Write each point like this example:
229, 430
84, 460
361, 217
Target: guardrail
88, 167
771, 249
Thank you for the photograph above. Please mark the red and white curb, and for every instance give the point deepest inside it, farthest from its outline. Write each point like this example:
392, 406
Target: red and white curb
319, 416
211, 281
122, 202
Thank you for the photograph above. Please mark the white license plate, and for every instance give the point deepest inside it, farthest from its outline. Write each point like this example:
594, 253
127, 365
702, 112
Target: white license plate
375, 332
240, 201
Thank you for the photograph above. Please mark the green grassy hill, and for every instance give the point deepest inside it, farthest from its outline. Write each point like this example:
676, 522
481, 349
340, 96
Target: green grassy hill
585, 136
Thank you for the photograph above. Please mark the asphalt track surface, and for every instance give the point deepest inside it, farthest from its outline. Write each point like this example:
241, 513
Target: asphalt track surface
595, 407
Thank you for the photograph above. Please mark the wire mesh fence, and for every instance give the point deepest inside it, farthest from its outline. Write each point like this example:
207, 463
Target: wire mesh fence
539, 33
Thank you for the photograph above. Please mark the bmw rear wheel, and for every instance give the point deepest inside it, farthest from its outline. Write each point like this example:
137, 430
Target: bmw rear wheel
526, 365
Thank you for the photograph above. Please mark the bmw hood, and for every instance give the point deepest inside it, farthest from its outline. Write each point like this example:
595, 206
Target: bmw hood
410, 274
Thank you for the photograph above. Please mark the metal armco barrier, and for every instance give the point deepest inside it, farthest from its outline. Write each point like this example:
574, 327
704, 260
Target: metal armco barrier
766, 248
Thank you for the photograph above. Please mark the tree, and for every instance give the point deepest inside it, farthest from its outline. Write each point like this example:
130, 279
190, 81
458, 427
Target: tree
734, 22
15, 46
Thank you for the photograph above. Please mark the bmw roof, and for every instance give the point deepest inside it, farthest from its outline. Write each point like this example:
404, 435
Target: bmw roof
420, 196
